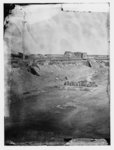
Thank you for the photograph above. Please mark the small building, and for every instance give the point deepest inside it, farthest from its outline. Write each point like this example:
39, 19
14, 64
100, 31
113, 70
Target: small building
69, 54
84, 55
78, 54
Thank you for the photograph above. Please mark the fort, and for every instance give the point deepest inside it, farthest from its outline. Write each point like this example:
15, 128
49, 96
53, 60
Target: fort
77, 58
68, 56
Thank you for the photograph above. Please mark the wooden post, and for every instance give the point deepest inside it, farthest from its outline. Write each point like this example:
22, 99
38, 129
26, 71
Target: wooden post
23, 36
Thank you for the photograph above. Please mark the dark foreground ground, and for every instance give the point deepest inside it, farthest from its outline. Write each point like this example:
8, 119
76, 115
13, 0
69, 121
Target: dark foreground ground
57, 114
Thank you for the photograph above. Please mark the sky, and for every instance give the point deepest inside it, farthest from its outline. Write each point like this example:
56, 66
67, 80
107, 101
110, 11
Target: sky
49, 30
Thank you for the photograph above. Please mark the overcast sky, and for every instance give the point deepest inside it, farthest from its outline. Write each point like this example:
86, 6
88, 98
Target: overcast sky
48, 20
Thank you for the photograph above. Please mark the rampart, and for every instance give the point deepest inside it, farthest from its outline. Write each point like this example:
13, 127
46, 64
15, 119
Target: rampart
68, 57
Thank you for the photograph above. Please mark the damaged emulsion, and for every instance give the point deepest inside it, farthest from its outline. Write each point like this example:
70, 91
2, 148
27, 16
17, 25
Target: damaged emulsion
57, 99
